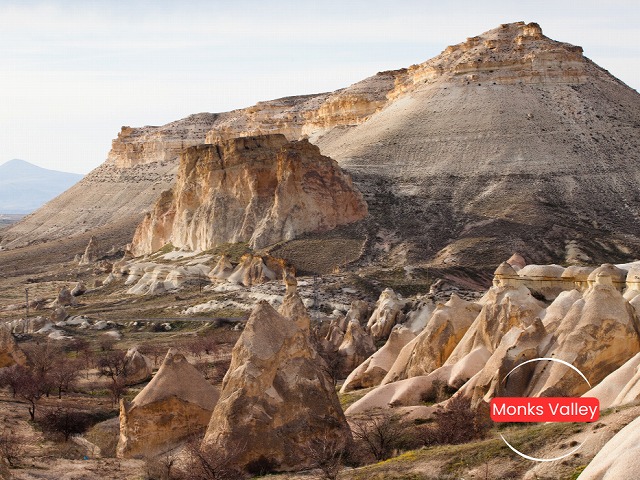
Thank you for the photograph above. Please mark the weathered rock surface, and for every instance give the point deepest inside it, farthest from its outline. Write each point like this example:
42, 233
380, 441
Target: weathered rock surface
598, 335
431, 348
387, 314
139, 367
259, 190
356, 346
620, 387
10, 353
92, 252
65, 298
276, 396
371, 372
619, 458
175, 404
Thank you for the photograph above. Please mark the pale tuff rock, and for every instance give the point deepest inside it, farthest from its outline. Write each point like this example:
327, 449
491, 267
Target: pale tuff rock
222, 270
633, 283
259, 190
620, 387
276, 396
517, 261
419, 315
356, 346
503, 308
598, 335
58, 314
545, 280
431, 348
10, 352
619, 458
152, 279
139, 367
254, 269
388, 312
578, 275
617, 276
505, 275
517, 346
91, 253
559, 308
177, 402
65, 298
371, 372
79, 289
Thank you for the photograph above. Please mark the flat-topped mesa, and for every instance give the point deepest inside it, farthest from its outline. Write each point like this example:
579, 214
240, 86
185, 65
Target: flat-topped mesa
512, 53
135, 146
260, 190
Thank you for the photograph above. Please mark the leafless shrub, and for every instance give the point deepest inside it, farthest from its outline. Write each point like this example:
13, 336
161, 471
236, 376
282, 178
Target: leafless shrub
209, 462
380, 435
65, 421
455, 423
65, 374
12, 446
327, 453
114, 365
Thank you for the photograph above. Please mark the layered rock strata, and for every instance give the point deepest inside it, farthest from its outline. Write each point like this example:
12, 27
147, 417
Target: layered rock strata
259, 190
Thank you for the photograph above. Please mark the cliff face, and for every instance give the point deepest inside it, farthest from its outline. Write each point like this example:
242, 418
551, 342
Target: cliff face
259, 190
508, 141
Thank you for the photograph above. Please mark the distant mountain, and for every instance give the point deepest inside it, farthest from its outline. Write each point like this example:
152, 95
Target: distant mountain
25, 187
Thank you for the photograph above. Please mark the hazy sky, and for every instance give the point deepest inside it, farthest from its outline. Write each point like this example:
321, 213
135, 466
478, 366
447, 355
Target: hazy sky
73, 72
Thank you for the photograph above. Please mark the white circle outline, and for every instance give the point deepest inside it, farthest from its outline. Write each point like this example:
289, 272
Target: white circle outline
535, 459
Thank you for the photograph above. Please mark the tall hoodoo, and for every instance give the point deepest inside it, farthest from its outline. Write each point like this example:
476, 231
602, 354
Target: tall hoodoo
276, 396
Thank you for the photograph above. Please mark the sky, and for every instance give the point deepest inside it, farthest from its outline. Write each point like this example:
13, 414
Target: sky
73, 72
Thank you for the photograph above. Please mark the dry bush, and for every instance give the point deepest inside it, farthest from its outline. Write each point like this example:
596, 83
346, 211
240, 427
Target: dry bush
327, 454
65, 421
455, 423
379, 436
208, 462
12, 446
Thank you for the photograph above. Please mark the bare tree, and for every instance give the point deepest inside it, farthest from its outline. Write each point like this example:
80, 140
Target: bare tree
114, 365
65, 421
11, 377
455, 423
30, 388
380, 434
65, 374
12, 446
327, 453
210, 462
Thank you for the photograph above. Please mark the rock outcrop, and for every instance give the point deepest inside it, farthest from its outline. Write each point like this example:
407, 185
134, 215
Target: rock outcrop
65, 298
10, 353
599, 334
356, 346
432, 347
175, 404
92, 252
619, 458
387, 314
371, 372
620, 387
259, 190
276, 396
139, 368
